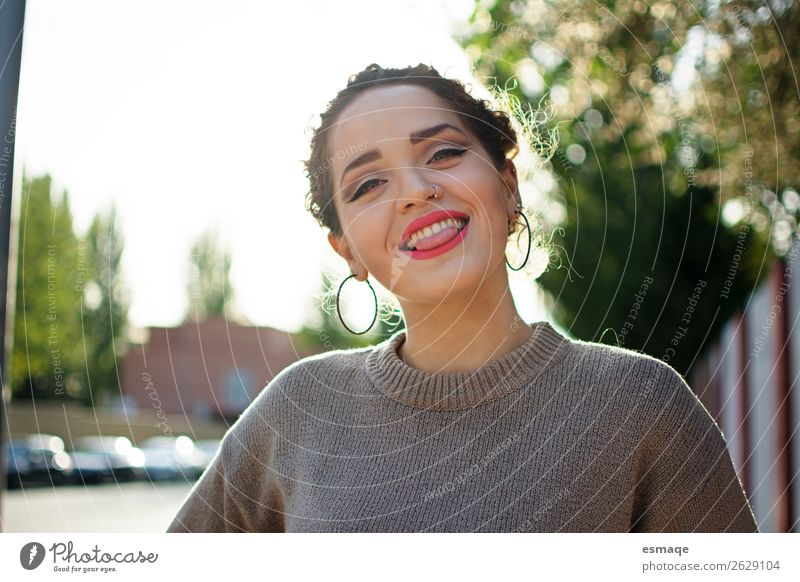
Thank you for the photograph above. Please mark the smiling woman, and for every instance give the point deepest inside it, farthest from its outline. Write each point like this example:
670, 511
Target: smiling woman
469, 419
427, 209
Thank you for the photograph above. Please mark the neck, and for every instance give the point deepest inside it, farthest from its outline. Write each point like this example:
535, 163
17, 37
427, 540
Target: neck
466, 332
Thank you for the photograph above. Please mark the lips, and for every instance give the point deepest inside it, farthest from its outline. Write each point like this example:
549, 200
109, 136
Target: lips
428, 219
435, 251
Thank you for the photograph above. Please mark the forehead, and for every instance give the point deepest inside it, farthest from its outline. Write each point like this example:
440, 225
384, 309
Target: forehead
385, 115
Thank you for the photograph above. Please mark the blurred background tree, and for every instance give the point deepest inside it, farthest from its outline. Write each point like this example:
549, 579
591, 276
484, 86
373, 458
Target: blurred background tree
105, 307
209, 288
638, 170
62, 319
750, 90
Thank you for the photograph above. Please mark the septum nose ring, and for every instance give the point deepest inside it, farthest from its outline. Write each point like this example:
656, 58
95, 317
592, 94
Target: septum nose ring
435, 191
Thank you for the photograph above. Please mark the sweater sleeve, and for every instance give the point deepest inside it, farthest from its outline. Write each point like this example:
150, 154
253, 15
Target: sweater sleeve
238, 491
687, 482
209, 506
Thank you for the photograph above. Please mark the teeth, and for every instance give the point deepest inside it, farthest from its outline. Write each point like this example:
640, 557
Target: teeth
434, 229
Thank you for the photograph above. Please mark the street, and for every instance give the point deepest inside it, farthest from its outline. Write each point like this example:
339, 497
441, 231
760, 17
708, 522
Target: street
124, 507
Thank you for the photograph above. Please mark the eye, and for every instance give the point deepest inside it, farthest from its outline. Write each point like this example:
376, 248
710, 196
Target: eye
363, 189
442, 154
450, 152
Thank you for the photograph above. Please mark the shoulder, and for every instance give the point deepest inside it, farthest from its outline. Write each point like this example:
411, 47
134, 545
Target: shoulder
658, 393
300, 379
670, 414
641, 374
664, 401
296, 389
284, 405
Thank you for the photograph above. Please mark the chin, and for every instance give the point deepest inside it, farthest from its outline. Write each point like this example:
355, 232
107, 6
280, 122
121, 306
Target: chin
451, 282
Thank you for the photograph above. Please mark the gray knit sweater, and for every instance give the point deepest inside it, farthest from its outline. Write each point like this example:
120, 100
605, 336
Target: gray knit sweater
558, 435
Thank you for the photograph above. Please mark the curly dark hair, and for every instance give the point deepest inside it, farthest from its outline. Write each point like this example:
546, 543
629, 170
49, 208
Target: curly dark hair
492, 128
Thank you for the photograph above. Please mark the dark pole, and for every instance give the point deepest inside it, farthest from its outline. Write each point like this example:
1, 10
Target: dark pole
12, 20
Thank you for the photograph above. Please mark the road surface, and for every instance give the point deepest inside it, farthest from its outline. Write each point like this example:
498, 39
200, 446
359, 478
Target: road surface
124, 507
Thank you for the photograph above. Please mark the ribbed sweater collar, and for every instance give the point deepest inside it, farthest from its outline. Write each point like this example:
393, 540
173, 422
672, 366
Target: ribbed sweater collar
460, 390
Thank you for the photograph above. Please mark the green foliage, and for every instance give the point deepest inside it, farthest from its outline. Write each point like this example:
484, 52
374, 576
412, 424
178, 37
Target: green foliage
71, 306
105, 308
209, 289
634, 171
750, 88
47, 358
648, 268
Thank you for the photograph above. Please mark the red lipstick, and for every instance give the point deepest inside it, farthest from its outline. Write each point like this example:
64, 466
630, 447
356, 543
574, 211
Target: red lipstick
445, 243
431, 218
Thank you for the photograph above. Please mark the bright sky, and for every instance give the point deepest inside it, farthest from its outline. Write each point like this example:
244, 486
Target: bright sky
191, 115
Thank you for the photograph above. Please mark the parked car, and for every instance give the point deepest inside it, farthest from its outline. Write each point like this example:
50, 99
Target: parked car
36, 459
89, 467
107, 457
172, 458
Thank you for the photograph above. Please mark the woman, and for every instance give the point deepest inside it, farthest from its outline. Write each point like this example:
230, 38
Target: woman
470, 420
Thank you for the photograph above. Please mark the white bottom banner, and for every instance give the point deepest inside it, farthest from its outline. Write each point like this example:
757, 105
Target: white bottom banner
372, 557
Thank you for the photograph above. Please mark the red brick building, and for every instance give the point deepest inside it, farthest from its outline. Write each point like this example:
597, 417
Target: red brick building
206, 369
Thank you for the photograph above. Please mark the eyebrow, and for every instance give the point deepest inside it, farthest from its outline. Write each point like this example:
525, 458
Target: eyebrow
414, 138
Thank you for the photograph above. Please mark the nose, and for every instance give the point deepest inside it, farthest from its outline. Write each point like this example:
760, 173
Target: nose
416, 189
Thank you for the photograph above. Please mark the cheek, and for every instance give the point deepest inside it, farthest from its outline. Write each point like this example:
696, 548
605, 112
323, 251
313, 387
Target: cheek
480, 184
367, 229
479, 178
368, 222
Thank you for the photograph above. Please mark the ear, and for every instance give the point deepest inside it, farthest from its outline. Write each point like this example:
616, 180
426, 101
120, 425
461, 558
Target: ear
342, 248
511, 195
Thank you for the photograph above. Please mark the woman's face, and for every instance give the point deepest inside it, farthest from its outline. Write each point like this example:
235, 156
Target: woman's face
383, 177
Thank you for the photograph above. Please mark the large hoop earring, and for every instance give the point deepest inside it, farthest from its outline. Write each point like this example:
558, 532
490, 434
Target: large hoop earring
530, 240
339, 313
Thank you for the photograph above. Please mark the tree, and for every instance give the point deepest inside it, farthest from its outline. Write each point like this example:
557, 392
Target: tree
71, 308
105, 306
47, 358
750, 87
209, 289
639, 233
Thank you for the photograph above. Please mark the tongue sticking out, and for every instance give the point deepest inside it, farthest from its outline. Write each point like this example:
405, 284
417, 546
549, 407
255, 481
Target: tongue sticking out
436, 240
